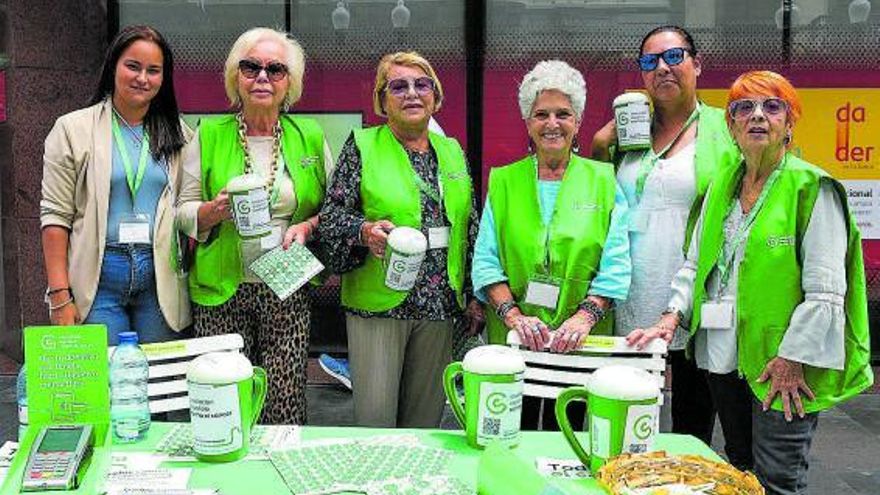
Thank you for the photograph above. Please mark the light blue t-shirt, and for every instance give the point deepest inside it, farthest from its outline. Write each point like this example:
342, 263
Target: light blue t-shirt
155, 180
612, 280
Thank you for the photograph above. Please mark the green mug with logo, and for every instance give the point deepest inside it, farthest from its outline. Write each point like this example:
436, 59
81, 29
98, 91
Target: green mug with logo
226, 396
493, 388
622, 412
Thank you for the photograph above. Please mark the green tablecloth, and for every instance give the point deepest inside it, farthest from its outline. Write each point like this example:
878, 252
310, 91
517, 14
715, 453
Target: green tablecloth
259, 477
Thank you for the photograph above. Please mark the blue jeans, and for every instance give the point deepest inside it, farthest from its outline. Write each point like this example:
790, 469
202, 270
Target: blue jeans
126, 299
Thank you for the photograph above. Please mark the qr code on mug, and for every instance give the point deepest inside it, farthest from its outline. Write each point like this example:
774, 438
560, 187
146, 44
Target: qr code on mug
491, 426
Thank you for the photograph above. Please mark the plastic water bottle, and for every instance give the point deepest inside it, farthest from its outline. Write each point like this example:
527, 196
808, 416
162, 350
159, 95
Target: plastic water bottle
129, 403
21, 398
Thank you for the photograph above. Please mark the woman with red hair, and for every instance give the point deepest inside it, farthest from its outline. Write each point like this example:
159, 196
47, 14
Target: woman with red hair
774, 288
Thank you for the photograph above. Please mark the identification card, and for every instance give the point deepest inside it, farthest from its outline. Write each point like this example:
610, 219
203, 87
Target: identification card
272, 239
134, 229
638, 221
717, 315
543, 291
438, 237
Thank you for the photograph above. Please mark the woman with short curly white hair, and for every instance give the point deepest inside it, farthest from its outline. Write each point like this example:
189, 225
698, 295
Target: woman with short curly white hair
263, 78
552, 253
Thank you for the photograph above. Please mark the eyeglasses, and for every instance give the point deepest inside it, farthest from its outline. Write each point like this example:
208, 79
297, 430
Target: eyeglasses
744, 108
275, 71
400, 87
672, 56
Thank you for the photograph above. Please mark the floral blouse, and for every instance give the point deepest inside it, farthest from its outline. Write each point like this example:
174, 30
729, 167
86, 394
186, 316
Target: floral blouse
341, 218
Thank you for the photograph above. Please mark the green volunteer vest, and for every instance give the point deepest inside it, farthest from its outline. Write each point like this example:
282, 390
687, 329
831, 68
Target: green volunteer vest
715, 153
578, 228
769, 286
217, 270
389, 191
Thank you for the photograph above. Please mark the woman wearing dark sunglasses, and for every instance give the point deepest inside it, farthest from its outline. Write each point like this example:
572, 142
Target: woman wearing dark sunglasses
774, 287
664, 187
263, 78
109, 174
552, 254
401, 174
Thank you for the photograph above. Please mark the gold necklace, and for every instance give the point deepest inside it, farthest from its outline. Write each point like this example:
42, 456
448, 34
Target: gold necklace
248, 160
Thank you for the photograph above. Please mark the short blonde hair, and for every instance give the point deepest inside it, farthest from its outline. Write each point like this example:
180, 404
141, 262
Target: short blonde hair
410, 59
294, 59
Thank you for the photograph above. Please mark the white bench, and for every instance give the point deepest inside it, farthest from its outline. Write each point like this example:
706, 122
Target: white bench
548, 373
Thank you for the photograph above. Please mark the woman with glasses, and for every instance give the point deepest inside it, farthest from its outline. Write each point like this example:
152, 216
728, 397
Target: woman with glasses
109, 174
263, 78
664, 187
394, 175
552, 253
774, 288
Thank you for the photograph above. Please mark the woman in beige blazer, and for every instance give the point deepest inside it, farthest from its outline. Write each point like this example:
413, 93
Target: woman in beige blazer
110, 173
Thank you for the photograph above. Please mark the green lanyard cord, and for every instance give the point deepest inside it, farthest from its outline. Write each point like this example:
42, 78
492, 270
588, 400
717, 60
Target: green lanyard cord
134, 179
649, 158
548, 227
729, 251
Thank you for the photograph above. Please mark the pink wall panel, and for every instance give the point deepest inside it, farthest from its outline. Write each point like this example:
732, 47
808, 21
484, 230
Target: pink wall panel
328, 90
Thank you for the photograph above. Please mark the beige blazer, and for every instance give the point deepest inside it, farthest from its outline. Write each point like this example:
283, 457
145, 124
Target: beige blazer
76, 195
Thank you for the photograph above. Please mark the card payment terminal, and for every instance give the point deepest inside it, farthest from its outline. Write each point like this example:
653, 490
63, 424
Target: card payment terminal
58, 458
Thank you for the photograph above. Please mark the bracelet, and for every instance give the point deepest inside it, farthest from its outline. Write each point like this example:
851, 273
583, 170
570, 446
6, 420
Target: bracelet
505, 308
50, 292
593, 310
672, 310
60, 305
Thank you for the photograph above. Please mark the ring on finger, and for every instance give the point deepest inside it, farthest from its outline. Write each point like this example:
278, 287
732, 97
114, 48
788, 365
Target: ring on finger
536, 328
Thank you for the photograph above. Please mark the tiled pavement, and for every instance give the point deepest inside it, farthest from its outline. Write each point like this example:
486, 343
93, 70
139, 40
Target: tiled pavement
845, 458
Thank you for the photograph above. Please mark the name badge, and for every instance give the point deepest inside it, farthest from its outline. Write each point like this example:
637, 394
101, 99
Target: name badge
717, 315
638, 221
271, 240
542, 292
438, 237
134, 229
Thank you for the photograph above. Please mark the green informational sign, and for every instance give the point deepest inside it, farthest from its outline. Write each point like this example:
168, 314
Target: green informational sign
336, 126
67, 377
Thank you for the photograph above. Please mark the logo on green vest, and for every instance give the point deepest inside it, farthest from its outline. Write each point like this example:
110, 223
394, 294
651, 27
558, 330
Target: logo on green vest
643, 427
780, 240
496, 403
309, 161
580, 205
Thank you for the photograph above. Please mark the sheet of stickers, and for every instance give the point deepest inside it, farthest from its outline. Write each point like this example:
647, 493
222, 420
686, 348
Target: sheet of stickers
286, 270
389, 465
178, 441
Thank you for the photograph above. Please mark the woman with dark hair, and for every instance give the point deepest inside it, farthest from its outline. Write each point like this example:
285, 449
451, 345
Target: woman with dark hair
664, 187
109, 177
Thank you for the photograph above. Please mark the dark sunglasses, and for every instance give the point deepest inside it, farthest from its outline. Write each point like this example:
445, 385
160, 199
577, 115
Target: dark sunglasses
400, 87
744, 108
672, 56
275, 71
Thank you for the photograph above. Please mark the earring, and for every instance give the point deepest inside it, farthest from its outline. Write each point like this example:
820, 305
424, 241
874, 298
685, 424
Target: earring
788, 138
530, 147
575, 147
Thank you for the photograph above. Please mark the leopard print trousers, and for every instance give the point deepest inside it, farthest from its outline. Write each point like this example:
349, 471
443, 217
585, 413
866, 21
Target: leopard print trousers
276, 337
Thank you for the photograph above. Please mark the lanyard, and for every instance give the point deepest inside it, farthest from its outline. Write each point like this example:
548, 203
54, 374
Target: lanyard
729, 252
548, 226
649, 158
134, 181
427, 189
